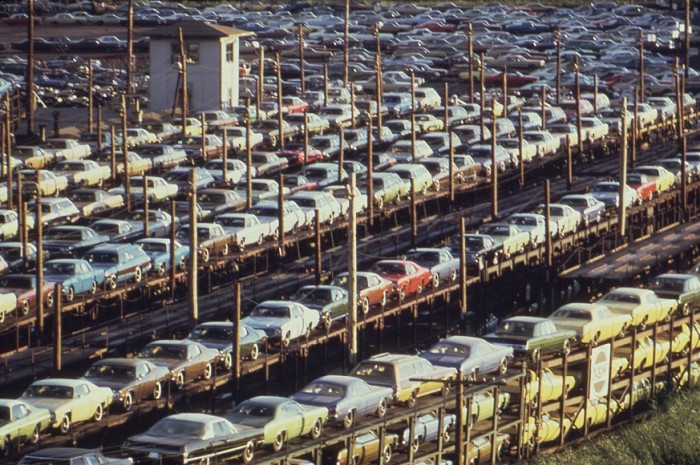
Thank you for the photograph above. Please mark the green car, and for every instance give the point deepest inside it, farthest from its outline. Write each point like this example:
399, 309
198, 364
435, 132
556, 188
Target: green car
330, 301
219, 335
280, 419
21, 422
532, 336
387, 188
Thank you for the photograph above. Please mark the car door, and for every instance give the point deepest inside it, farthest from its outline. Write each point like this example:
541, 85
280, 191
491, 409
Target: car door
82, 406
413, 281
196, 360
145, 381
294, 420
20, 421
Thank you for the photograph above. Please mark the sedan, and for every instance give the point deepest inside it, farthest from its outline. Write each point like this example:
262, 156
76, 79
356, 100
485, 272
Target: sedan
366, 448
407, 277
346, 398
158, 250
532, 336
566, 218
279, 418
21, 422
443, 266
471, 356
186, 360
283, 320
76, 276
643, 305
590, 208
428, 428
187, 438
71, 455
70, 401
372, 288
131, 380
24, 287
592, 323
219, 335
330, 301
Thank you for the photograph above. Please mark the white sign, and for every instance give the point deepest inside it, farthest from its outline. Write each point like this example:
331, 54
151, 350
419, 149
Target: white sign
599, 379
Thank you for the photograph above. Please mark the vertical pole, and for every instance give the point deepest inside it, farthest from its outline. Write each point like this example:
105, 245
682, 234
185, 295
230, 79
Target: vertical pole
370, 168
577, 79
346, 47
130, 49
642, 90
544, 108
687, 40
30, 68
413, 117
450, 134
183, 99
146, 229
237, 340
172, 251
194, 251
302, 73
317, 239
461, 422
280, 207
446, 99
113, 154
99, 128
482, 96
569, 165
505, 92
464, 309
3, 153
125, 152
378, 96
90, 98
306, 138
8, 152
25, 238
203, 144
470, 44
521, 149
352, 105
39, 225
280, 121
684, 174
557, 39
57, 328
547, 225
635, 131
352, 274
224, 155
341, 154
414, 220
622, 214
248, 160
260, 91
595, 94
494, 165
325, 84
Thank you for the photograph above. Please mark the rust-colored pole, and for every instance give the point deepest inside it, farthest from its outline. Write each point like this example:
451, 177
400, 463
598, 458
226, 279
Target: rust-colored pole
569, 164
557, 39
505, 92
280, 121
463, 269
125, 152
236, 355
341, 154
99, 128
146, 229
39, 225
224, 155
595, 94
317, 238
370, 167
450, 134
280, 207
413, 117
113, 154
642, 89
193, 273
544, 108
353, 124
130, 48
622, 213
494, 166
260, 89
302, 73
172, 251
446, 99
547, 225
521, 149
248, 160
30, 67
183, 81
578, 106
470, 40
482, 96
90, 98
346, 47
414, 214
57, 328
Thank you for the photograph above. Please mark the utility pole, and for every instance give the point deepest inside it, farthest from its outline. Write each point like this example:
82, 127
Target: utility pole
40, 261
280, 120
352, 274
579, 129
470, 40
260, 90
30, 68
413, 117
130, 50
547, 225
482, 97
494, 165
58, 328
557, 39
91, 101
236, 356
464, 309
194, 250
687, 39
172, 251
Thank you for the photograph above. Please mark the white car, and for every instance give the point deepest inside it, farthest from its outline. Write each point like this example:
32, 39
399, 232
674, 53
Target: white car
546, 143
66, 149
310, 201
267, 212
9, 224
512, 146
83, 172
236, 138
566, 218
245, 228
341, 194
51, 184
593, 129
534, 224
8, 304
283, 320
608, 192
158, 188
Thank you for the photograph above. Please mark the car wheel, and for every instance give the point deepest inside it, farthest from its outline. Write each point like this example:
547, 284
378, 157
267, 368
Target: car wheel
49, 299
70, 295
349, 419
385, 299
24, 308
535, 357
595, 339
566, 348
419, 290
446, 435
436, 281
6, 446
205, 254
317, 429
254, 352
453, 276
386, 454
99, 412
412, 400
180, 380
228, 361
307, 333
128, 402
380, 203
364, 305
248, 452
503, 367
279, 442
112, 282
138, 274
381, 410
208, 370
225, 250
415, 445
260, 239
65, 424
160, 271
93, 288
36, 435
157, 390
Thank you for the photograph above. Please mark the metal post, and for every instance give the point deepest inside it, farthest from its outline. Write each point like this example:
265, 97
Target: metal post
579, 129
687, 39
325, 84
90, 97
125, 152
236, 356
224, 155
352, 105
130, 48
569, 164
280, 121
194, 251
622, 214
595, 94
317, 239
25, 237
494, 167
99, 128
635, 131
446, 99
544, 107
470, 41
58, 328
306, 138
301, 57
482, 96
203, 145
352, 274
464, 309
39, 225
505, 92
183, 81
557, 39
341, 154
547, 225
461, 422
30, 67
260, 91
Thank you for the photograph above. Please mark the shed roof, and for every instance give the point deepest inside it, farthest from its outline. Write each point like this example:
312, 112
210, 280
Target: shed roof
197, 30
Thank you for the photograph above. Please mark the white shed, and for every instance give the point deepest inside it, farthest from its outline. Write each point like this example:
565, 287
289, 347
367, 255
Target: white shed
212, 65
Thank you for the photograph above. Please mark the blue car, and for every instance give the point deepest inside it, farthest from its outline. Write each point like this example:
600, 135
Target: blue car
443, 266
75, 275
119, 263
158, 250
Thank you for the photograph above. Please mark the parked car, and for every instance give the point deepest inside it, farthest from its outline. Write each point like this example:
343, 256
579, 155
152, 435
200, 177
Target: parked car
280, 419
70, 401
219, 335
116, 230
70, 455
365, 449
590, 208
53, 211
683, 288
346, 398
566, 218
373, 290
409, 376
21, 423
608, 193
131, 380
645, 307
443, 267
532, 336
158, 250
244, 229
71, 241
283, 321
472, 357
119, 263
185, 438
75, 275
330, 301
408, 277
91, 201
186, 360
427, 428
83, 173
23, 286
159, 222
593, 323
511, 239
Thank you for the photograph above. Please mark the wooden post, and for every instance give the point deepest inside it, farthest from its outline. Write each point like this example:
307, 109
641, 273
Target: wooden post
306, 138
346, 47
203, 145
569, 164
521, 149
99, 128
248, 160
317, 239
687, 40
494, 166
146, 230
635, 131
470, 44
325, 84
183, 81
595, 94
353, 123
25, 238
341, 154
8, 152
280, 206
547, 225
370, 167
173, 265
544, 107
557, 39
622, 214
414, 219
58, 327
125, 152
461, 422
39, 226
236, 356
301, 57
224, 155
194, 251
505, 92
450, 134
352, 275
482, 96
413, 117
90, 97
113, 155
260, 91
30, 68
130, 48
642, 90
280, 121
464, 309
579, 129
446, 98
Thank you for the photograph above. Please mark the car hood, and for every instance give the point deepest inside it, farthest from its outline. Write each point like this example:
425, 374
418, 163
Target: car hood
58, 278
173, 441
265, 322
668, 294
393, 277
570, 323
48, 403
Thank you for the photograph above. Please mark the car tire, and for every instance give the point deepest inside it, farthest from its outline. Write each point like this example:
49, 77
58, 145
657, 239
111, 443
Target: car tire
364, 305
307, 333
138, 275
36, 435
419, 290
566, 347
208, 371
412, 400
157, 390
278, 443
180, 380
99, 413
386, 453
254, 352
453, 276
49, 299
535, 357
381, 409
316, 429
228, 361
349, 419
112, 282
380, 203
24, 308
65, 424
286, 340
503, 366
70, 295
93, 288
435, 281
248, 452
6, 446
205, 255
160, 271
128, 402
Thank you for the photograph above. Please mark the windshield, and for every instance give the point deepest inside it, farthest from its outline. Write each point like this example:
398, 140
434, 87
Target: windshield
212, 333
70, 167
153, 246
517, 328
605, 188
231, 222
321, 296
669, 284
164, 351
372, 371
177, 428
573, 314
388, 268
621, 297
270, 312
63, 234
430, 258
55, 392
111, 371
252, 409
447, 348
59, 268
325, 389
16, 282
101, 257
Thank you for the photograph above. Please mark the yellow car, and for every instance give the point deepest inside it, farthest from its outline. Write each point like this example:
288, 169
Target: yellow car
551, 386
643, 305
641, 391
682, 339
665, 180
647, 353
483, 405
549, 429
593, 323
687, 377
596, 414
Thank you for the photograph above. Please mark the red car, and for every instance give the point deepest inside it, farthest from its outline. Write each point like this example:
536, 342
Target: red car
645, 187
24, 287
373, 289
294, 153
407, 277
293, 105
20, 19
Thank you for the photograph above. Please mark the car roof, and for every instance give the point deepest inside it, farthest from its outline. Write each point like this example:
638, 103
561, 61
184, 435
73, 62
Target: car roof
272, 401
60, 453
338, 379
130, 362
526, 319
58, 382
392, 358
